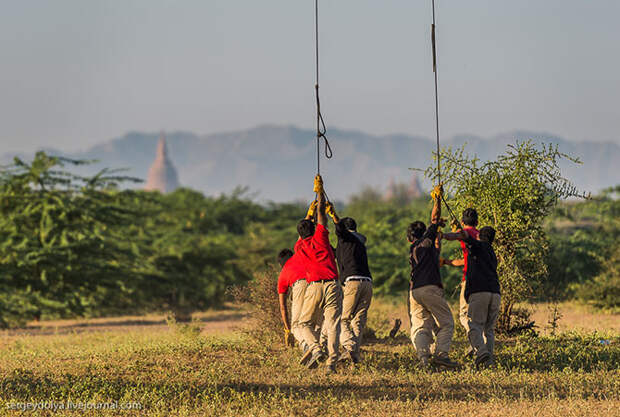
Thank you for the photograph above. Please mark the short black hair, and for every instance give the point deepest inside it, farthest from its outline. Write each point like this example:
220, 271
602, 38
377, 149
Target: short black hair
349, 223
415, 230
305, 228
470, 217
284, 255
487, 234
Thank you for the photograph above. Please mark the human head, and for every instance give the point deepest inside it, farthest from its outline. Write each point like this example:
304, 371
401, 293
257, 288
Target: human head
415, 231
470, 217
349, 223
305, 228
284, 255
487, 234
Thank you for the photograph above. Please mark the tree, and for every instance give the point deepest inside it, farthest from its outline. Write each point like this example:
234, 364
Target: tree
513, 194
61, 251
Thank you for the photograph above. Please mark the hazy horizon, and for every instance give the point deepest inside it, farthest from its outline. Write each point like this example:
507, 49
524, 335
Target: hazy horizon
76, 74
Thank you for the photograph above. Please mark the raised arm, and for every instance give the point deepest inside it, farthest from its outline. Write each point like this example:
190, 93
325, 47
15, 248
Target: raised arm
436, 213
321, 217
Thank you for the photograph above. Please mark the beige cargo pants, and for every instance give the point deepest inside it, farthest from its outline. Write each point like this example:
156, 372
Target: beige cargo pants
322, 300
482, 313
355, 304
430, 315
298, 291
463, 308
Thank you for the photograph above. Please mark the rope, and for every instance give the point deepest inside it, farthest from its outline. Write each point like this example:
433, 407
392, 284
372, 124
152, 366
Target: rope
434, 44
434, 47
321, 130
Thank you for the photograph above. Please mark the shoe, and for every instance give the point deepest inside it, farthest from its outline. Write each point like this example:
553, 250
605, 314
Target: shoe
355, 357
331, 369
306, 356
349, 355
470, 353
314, 360
444, 360
322, 356
483, 360
424, 363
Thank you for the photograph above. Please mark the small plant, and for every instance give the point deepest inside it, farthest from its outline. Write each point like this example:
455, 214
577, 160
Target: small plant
555, 318
260, 296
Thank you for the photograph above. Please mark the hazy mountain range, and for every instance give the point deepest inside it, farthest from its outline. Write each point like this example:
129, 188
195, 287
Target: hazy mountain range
279, 162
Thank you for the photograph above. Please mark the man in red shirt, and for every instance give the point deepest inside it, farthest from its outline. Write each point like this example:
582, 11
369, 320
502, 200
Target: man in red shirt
470, 221
323, 295
293, 277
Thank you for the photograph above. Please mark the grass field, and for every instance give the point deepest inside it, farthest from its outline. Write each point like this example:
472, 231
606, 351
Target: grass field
213, 367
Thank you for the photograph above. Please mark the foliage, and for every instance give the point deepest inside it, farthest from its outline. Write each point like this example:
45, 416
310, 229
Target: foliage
514, 194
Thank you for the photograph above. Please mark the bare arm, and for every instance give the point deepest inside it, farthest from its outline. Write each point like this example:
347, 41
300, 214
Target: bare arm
321, 217
284, 311
460, 235
454, 262
436, 213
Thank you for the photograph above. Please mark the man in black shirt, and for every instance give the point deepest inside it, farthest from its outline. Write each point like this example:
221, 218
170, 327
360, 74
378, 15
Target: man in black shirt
357, 281
428, 310
482, 293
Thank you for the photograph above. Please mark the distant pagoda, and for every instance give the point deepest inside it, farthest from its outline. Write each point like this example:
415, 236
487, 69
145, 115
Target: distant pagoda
162, 174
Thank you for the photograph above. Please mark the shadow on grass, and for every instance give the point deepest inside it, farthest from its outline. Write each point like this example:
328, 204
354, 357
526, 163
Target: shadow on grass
24, 385
34, 330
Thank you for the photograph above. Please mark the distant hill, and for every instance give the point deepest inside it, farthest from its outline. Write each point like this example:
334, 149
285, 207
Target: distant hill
278, 163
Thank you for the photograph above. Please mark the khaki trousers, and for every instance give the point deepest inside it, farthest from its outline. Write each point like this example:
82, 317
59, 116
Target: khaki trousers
482, 315
298, 291
430, 314
323, 300
355, 304
463, 308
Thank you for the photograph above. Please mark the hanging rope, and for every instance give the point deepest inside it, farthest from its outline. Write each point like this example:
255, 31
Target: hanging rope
434, 47
321, 130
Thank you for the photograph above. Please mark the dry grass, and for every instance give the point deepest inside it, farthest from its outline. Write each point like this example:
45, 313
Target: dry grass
174, 370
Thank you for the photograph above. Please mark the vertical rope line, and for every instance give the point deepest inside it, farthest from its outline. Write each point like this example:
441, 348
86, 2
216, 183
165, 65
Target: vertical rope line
316, 87
434, 43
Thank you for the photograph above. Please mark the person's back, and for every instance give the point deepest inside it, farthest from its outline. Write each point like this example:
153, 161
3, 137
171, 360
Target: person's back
482, 269
351, 252
482, 293
424, 259
355, 276
318, 255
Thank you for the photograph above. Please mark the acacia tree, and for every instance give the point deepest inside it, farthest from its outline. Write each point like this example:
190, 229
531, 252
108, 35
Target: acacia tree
62, 244
514, 194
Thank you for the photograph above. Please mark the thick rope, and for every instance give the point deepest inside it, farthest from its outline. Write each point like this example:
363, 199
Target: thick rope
321, 130
434, 44
434, 47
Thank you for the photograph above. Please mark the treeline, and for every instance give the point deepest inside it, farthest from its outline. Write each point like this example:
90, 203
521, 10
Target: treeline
81, 246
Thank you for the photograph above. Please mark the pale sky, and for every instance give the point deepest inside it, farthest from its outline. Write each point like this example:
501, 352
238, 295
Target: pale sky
78, 72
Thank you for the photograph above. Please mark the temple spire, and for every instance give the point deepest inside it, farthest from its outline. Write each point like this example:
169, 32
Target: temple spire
162, 174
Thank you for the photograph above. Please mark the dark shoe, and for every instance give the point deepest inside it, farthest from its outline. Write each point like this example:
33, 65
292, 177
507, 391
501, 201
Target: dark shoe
306, 356
349, 355
331, 369
445, 361
470, 353
322, 356
314, 360
483, 360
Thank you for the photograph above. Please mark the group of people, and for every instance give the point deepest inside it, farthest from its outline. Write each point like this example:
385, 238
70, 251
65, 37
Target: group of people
331, 288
